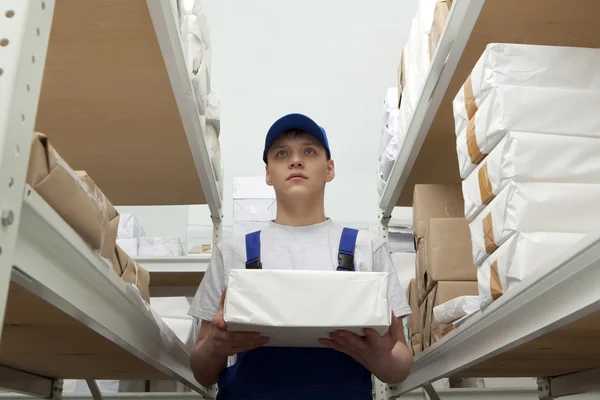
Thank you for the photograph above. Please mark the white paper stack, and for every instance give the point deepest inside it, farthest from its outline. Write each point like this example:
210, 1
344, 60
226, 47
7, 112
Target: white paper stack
526, 66
534, 207
455, 309
514, 108
173, 311
517, 258
275, 303
531, 157
254, 204
160, 247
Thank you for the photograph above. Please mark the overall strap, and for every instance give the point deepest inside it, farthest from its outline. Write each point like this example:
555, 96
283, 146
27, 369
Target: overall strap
346, 252
253, 251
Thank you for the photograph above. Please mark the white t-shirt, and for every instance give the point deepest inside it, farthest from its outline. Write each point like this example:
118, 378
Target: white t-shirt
313, 247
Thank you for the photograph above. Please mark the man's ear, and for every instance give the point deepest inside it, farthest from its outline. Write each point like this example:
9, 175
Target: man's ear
268, 176
330, 170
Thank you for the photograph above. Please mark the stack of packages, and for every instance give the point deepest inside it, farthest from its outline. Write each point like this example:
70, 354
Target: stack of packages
132, 238
426, 29
445, 287
388, 149
528, 139
83, 206
195, 38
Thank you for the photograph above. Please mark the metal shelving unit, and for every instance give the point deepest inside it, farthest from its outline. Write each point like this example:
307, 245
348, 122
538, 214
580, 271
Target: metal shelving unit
544, 328
64, 63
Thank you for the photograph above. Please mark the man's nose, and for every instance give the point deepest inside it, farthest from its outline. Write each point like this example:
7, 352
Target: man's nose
296, 161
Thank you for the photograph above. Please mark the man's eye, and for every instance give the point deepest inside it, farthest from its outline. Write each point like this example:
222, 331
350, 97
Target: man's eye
281, 153
309, 151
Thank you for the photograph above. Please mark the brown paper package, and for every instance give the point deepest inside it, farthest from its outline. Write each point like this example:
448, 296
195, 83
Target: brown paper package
424, 327
417, 346
420, 272
132, 272
448, 252
445, 291
414, 323
435, 201
440, 15
83, 208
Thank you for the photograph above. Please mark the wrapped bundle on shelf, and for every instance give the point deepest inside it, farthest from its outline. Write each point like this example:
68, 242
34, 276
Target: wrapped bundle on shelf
534, 207
390, 103
517, 258
214, 148
531, 157
525, 66
291, 318
417, 344
413, 301
442, 293
435, 201
455, 309
566, 112
388, 158
448, 252
420, 272
160, 247
440, 15
213, 112
133, 273
389, 131
73, 195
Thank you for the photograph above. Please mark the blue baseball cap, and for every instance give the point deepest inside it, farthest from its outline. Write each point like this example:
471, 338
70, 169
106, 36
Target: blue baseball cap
299, 122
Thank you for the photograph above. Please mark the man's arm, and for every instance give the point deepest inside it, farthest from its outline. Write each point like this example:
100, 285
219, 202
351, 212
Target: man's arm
386, 356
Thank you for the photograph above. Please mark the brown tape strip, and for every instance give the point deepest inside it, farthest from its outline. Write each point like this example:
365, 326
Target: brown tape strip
470, 104
485, 185
475, 153
495, 285
488, 234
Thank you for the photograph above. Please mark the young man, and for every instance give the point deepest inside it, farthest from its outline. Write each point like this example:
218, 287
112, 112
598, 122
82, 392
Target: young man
298, 166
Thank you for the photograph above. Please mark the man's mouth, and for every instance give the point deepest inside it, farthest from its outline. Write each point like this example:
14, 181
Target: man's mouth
297, 176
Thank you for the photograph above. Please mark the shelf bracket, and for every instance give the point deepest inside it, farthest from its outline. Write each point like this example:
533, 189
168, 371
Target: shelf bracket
26, 383
217, 230
431, 392
94, 389
566, 385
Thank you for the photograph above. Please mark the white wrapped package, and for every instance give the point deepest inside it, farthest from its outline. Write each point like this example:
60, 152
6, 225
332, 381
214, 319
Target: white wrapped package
389, 131
380, 184
517, 258
416, 66
201, 83
535, 207
160, 247
455, 309
275, 303
404, 264
214, 151
525, 65
531, 157
390, 103
129, 246
425, 13
388, 158
213, 111
514, 108
130, 227
194, 45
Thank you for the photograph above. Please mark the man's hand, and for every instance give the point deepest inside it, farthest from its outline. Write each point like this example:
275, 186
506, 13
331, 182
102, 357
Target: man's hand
223, 343
386, 356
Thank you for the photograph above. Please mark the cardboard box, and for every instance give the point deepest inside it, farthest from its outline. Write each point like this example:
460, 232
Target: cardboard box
275, 303
417, 345
413, 301
516, 108
435, 201
449, 252
443, 292
503, 64
420, 272
132, 272
531, 157
77, 200
517, 258
535, 207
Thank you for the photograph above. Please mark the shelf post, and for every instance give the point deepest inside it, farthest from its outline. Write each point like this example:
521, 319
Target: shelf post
570, 384
24, 34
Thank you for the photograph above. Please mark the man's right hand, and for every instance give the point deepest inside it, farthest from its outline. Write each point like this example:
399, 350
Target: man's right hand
222, 343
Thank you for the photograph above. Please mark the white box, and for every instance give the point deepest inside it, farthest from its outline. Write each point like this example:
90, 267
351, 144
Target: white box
531, 157
129, 246
514, 108
526, 65
455, 309
275, 303
160, 247
517, 258
130, 227
535, 207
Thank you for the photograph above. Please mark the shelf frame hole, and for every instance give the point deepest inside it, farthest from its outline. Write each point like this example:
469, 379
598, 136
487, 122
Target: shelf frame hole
4, 42
9, 14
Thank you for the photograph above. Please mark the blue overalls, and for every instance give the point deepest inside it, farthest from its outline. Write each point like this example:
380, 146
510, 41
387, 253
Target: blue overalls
287, 373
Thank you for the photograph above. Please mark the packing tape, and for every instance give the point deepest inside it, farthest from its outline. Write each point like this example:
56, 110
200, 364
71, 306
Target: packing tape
495, 285
475, 153
485, 185
470, 105
488, 235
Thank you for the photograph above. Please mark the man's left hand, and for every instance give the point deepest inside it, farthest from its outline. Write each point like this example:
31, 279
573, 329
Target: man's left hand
374, 351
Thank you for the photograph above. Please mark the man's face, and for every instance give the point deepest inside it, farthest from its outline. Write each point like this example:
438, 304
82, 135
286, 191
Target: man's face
298, 165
